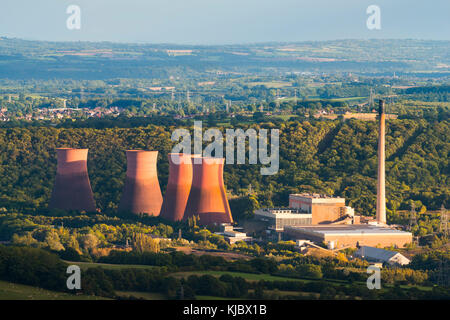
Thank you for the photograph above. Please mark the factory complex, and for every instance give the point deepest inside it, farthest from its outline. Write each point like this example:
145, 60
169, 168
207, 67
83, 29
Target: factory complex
196, 189
327, 220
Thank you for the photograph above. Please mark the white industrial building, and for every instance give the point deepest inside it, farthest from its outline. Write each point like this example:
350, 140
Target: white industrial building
380, 255
233, 236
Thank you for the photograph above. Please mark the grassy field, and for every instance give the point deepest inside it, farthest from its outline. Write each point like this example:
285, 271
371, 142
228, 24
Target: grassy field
246, 276
282, 293
216, 298
87, 265
270, 84
14, 291
141, 295
284, 117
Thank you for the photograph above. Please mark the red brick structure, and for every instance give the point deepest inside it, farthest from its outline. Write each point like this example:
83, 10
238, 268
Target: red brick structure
72, 188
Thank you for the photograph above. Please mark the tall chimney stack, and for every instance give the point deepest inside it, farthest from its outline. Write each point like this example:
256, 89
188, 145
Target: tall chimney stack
207, 198
142, 193
178, 186
381, 188
72, 189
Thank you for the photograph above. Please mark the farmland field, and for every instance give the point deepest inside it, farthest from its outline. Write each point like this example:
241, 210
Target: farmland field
246, 276
87, 265
14, 291
141, 295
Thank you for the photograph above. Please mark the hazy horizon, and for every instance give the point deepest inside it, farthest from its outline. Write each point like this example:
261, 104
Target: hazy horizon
220, 22
220, 44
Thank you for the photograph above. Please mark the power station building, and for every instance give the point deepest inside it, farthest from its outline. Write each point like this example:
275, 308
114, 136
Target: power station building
324, 219
323, 209
350, 235
279, 218
327, 220
196, 189
307, 209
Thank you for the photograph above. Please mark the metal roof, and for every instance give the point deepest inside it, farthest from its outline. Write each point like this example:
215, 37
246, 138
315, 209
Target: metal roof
352, 229
375, 253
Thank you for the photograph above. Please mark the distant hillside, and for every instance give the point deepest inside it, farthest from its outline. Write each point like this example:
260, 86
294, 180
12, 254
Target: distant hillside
21, 59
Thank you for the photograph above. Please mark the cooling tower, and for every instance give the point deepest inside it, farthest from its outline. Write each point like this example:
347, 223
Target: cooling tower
207, 198
381, 188
141, 193
178, 186
72, 189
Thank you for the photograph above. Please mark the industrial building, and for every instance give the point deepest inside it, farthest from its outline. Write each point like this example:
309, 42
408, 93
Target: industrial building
231, 235
308, 209
278, 218
142, 193
323, 208
325, 219
196, 189
72, 188
350, 235
373, 254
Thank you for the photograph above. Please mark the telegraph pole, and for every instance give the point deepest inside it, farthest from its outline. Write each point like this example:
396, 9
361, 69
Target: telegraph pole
371, 99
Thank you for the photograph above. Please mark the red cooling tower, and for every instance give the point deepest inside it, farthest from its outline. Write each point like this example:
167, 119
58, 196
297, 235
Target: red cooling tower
178, 186
207, 198
141, 193
72, 189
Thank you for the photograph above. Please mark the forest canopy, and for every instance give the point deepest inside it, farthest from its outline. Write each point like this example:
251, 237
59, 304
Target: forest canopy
333, 157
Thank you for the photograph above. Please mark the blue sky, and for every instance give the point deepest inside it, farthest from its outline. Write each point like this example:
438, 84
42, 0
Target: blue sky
223, 21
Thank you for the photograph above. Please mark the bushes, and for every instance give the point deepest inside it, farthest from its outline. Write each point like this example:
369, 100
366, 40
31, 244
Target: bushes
264, 265
141, 258
180, 261
310, 271
95, 282
32, 266
225, 286
237, 286
69, 254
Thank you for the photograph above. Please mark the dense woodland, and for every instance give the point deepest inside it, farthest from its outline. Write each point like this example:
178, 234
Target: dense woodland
333, 157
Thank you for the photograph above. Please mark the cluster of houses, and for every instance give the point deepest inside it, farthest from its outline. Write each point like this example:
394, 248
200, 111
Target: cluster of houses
60, 113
